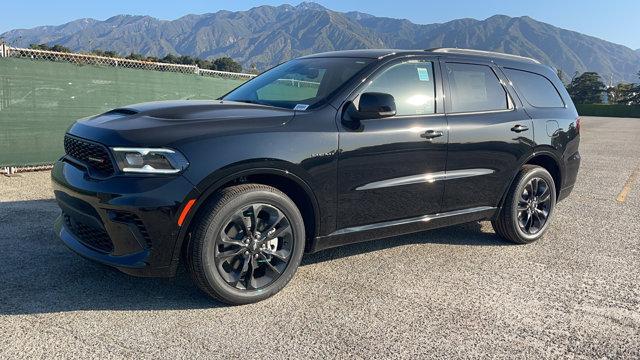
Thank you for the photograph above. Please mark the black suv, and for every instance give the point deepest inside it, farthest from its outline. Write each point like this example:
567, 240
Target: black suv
320, 151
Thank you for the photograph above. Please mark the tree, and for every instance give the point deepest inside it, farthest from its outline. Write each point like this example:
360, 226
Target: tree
169, 58
561, 75
254, 69
636, 98
186, 60
134, 56
629, 94
222, 64
587, 88
58, 48
39, 46
107, 53
623, 93
227, 64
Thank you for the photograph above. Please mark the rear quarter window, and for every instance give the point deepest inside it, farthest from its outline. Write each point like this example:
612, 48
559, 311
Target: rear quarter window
536, 89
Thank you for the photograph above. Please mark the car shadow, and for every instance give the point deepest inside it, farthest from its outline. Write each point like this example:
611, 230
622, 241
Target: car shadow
470, 234
38, 274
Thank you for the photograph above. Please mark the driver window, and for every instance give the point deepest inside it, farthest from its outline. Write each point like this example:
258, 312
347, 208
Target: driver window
293, 87
411, 84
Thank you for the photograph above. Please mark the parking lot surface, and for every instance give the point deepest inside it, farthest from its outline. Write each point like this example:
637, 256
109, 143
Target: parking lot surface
455, 292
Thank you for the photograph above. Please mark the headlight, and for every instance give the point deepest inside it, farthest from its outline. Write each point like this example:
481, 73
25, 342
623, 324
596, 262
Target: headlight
149, 161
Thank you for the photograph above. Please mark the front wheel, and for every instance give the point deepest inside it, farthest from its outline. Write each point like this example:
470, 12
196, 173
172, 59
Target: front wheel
527, 210
247, 244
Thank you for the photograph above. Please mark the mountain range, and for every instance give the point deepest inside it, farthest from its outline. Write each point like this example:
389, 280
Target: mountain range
267, 35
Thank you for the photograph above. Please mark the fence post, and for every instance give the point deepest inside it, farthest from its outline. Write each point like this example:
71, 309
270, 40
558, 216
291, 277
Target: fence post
3, 50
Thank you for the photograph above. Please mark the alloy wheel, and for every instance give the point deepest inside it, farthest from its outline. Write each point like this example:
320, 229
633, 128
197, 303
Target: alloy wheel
534, 206
254, 247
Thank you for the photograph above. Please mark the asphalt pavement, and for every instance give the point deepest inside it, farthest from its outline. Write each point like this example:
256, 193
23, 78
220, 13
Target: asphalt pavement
459, 292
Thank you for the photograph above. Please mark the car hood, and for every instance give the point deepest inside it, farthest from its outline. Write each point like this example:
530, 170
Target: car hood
164, 123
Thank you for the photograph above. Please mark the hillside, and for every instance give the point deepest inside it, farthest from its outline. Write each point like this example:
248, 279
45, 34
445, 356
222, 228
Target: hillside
268, 35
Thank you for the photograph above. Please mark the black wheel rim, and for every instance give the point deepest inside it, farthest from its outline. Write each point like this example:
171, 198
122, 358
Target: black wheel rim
254, 247
534, 206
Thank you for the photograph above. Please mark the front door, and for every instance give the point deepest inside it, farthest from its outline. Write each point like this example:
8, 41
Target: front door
387, 167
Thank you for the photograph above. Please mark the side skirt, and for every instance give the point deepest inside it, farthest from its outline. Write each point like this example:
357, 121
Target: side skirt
401, 227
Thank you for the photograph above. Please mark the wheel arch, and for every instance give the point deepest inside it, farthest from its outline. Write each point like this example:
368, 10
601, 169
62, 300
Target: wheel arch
544, 158
280, 175
549, 162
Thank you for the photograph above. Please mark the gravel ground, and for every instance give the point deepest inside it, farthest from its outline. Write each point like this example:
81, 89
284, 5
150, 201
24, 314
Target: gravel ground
457, 293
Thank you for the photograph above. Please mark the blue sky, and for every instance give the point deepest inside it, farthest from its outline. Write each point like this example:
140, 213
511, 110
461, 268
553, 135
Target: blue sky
617, 21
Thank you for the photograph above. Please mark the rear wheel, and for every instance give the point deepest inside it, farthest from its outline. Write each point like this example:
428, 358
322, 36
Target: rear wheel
247, 244
528, 208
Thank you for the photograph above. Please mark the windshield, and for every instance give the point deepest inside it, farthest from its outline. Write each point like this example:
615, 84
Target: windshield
299, 84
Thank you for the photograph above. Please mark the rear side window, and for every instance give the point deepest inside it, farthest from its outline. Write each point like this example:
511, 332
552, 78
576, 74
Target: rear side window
475, 88
536, 89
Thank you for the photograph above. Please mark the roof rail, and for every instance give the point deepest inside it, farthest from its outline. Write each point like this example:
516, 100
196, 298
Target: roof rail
483, 53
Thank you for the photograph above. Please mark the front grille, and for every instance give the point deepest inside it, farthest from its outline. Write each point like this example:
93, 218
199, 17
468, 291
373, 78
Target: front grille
95, 238
93, 155
131, 218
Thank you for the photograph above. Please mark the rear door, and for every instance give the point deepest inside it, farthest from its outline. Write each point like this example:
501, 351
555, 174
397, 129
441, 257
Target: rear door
386, 165
490, 134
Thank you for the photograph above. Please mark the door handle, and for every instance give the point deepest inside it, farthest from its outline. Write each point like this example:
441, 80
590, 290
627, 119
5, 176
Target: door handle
431, 134
519, 128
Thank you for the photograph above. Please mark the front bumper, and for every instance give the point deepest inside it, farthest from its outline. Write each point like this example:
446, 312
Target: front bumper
128, 222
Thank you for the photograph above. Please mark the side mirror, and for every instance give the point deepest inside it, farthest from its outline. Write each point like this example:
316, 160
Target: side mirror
375, 106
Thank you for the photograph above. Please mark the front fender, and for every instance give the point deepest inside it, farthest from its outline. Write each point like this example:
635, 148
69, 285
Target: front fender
233, 172
215, 181
303, 151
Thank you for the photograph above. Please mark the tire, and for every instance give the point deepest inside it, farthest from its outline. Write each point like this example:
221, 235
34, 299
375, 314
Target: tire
522, 195
227, 229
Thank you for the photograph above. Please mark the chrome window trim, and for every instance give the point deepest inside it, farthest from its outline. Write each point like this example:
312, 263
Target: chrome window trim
407, 116
481, 112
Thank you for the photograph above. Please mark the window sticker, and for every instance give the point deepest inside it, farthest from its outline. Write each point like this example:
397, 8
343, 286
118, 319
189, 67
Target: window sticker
423, 74
301, 107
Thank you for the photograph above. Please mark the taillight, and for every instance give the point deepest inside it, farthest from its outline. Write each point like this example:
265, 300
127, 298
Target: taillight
578, 124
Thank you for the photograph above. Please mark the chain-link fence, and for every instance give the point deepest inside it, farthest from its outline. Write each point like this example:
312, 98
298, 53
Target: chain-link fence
43, 92
89, 59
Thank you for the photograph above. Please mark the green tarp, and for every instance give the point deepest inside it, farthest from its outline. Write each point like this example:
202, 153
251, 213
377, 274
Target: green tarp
39, 99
